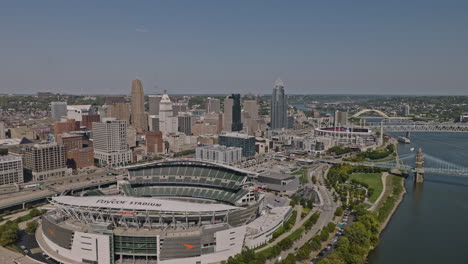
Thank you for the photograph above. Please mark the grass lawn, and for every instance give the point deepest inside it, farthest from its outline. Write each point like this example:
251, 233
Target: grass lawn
303, 177
374, 180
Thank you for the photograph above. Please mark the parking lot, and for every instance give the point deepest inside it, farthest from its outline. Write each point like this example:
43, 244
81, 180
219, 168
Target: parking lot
348, 219
29, 245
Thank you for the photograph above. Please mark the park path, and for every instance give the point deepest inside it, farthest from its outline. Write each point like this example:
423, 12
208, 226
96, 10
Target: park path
384, 187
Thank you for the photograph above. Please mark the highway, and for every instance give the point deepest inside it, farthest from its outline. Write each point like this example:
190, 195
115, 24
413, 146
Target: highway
55, 186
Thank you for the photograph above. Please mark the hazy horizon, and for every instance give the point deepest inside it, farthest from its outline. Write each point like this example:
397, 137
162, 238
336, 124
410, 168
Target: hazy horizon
213, 47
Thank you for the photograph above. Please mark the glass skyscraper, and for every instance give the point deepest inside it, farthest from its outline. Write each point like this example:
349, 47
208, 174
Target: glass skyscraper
236, 113
279, 107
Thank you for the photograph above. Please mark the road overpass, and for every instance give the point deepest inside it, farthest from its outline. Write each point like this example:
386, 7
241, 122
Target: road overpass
22, 199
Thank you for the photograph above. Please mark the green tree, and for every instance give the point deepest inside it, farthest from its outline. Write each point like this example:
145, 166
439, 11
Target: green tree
323, 235
339, 211
8, 233
290, 259
34, 212
358, 235
314, 180
31, 227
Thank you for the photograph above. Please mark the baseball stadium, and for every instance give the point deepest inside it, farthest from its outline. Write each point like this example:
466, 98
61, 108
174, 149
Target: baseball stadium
166, 212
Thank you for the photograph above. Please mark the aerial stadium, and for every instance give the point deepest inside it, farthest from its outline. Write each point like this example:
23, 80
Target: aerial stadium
166, 212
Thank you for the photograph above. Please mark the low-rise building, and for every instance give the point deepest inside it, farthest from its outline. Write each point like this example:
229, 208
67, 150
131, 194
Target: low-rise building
219, 154
66, 126
178, 142
45, 160
11, 169
87, 120
247, 143
78, 111
80, 158
70, 141
154, 142
202, 128
279, 182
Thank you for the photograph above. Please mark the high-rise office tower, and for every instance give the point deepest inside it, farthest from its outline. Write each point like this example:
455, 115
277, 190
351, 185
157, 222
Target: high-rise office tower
153, 122
179, 107
406, 110
227, 118
279, 107
2, 130
213, 105
11, 169
185, 123
251, 107
119, 111
167, 121
110, 142
45, 160
236, 113
58, 110
153, 101
139, 120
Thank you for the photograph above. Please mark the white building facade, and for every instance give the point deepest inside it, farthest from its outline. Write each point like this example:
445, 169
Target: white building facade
11, 169
110, 142
77, 111
168, 123
219, 154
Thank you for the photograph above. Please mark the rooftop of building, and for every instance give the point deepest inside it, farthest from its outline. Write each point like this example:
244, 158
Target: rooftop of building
268, 220
9, 157
78, 107
139, 204
10, 142
45, 144
237, 135
186, 162
276, 175
70, 135
219, 147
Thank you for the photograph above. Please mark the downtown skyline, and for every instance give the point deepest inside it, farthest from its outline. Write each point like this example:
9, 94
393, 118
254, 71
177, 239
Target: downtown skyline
217, 48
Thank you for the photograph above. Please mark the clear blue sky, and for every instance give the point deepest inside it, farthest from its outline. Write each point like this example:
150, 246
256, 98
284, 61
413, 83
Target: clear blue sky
353, 47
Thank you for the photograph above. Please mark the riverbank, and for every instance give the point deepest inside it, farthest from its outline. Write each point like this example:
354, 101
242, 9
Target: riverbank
395, 192
397, 203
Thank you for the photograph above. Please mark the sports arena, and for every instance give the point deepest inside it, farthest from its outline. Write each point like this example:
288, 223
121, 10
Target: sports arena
166, 212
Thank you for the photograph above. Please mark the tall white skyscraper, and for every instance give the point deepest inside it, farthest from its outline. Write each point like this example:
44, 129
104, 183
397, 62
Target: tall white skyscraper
110, 142
279, 107
58, 110
167, 120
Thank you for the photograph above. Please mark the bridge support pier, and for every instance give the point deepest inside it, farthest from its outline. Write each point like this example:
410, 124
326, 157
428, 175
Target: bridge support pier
419, 168
418, 177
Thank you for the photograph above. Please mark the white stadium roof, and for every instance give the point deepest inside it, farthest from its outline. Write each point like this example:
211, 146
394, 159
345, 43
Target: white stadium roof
139, 204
